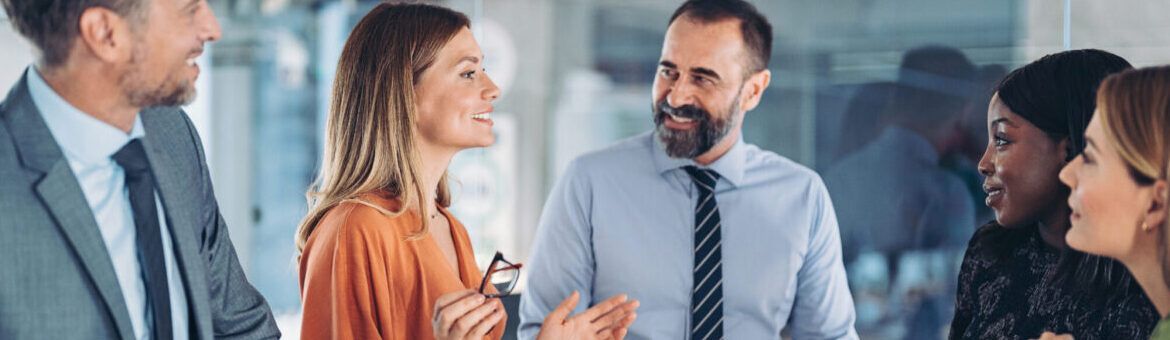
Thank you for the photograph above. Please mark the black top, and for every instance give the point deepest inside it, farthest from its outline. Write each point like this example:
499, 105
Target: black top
1008, 294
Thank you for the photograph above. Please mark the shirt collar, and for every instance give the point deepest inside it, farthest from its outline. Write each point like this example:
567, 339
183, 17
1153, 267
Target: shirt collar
82, 137
730, 167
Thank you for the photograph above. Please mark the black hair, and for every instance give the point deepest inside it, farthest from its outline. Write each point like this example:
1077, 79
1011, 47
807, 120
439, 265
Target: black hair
1057, 94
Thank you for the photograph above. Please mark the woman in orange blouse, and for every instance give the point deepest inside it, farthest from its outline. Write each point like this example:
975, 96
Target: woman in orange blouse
409, 94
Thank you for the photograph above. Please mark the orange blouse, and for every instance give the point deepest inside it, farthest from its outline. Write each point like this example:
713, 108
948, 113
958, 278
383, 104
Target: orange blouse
362, 279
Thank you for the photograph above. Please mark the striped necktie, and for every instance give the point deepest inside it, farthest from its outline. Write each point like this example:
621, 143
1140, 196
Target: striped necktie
707, 295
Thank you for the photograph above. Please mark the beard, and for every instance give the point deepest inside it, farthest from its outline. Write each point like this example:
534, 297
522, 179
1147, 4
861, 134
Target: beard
173, 90
710, 130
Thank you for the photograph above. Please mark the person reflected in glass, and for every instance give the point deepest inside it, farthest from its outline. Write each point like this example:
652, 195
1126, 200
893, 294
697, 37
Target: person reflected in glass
381, 257
1018, 278
925, 214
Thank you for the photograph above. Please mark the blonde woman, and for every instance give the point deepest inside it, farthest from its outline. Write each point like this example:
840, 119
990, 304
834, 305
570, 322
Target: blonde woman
381, 257
1119, 184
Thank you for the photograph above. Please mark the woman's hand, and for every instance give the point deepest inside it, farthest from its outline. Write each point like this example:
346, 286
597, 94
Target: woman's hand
465, 314
610, 319
1054, 336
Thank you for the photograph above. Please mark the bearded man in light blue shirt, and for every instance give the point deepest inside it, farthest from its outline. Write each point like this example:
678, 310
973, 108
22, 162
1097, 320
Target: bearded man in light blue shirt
717, 238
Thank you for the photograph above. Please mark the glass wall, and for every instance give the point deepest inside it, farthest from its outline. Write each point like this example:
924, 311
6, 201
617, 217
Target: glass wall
576, 76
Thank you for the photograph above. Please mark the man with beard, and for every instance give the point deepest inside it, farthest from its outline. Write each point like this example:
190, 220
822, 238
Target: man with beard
715, 237
110, 228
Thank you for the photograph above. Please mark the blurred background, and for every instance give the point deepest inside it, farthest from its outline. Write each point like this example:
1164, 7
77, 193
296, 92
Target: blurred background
576, 76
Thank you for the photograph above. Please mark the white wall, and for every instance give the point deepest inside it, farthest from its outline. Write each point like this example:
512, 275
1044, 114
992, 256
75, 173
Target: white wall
1136, 30
15, 55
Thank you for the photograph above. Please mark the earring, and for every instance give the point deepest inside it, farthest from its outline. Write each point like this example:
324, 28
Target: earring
1145, 227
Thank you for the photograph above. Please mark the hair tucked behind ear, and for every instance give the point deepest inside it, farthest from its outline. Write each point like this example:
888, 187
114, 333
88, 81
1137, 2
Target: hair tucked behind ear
1135, 114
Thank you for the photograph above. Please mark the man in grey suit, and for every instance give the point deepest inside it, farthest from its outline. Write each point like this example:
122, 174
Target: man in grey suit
109, 228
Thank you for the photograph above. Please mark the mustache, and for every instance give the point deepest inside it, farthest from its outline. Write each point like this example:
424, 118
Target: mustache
686, 111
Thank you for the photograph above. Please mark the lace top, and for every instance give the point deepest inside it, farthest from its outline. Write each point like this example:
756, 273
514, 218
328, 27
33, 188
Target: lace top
1011, 297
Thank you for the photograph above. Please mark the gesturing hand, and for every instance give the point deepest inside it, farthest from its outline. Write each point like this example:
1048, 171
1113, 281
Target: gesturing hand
610, 319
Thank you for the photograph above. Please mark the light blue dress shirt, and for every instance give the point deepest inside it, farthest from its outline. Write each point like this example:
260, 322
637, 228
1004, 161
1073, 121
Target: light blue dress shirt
621, 220
88, 145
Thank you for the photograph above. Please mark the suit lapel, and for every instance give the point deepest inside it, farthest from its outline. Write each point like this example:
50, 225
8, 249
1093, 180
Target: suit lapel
61, 194
181, 203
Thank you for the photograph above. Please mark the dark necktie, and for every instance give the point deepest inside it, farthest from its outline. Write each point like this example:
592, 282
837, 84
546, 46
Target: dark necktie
140, 184
707, 295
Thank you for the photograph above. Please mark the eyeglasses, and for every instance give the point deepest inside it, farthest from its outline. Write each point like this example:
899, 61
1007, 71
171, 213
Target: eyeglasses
502, 274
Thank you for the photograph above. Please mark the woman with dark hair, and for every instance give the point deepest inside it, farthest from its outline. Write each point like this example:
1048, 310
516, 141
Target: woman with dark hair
1019, 278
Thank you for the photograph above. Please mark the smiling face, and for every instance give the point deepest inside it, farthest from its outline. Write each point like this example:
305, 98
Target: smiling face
1109, 208
1021, 164
162, 70
703, 87
454, 97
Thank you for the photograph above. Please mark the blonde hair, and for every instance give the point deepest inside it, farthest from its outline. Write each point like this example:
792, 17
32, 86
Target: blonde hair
1134, 107
370, 129
1135, 113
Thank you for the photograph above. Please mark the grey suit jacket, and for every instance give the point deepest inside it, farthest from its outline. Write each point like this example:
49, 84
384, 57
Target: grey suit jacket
56, 277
